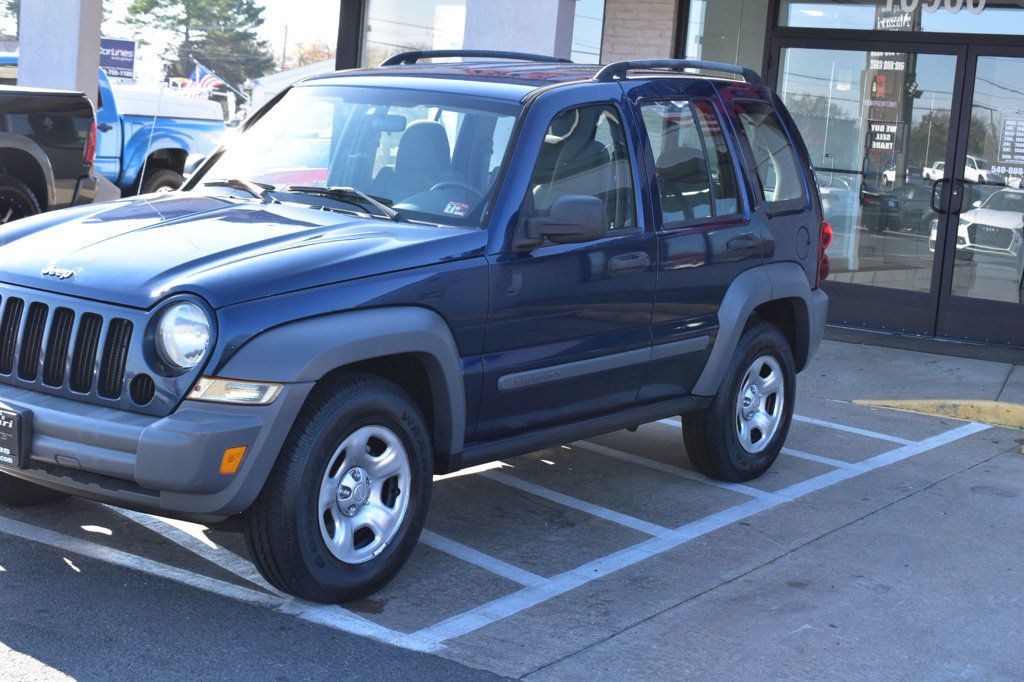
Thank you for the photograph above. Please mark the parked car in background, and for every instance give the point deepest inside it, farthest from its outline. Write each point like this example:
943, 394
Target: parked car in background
889, 176
497, 256
47, 146
976, 169
994, 226
145, 136
915, 212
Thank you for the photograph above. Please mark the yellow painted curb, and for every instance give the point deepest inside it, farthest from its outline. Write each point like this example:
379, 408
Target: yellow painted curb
987, 411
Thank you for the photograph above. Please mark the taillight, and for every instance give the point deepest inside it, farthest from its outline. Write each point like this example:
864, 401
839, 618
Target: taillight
90, 145
824, 266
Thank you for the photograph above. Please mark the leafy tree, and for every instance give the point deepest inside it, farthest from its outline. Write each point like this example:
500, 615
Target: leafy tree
9, 12
219, 33
309, 53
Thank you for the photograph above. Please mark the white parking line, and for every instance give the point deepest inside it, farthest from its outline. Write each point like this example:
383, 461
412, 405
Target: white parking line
851, 429
573, 503
477, 558
504, 607
747, 490
836, 463
205, 548
675, 421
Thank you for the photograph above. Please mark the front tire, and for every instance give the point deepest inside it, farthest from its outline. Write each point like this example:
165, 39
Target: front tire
348, 496
15, 492
739, 436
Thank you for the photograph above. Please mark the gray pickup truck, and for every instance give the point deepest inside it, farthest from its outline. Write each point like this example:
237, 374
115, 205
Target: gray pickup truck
47, 149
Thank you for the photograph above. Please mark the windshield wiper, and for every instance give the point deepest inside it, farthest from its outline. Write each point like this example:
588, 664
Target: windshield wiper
350, 195
257, 189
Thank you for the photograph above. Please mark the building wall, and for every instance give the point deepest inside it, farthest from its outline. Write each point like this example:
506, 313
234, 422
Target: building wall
638, 29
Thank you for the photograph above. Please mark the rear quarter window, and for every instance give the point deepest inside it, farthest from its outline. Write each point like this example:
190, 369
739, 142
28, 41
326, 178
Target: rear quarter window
775, 160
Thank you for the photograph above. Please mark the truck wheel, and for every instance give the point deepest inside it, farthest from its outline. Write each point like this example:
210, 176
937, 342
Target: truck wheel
347, 499
740, 434
15, 492
16, 200
163, 180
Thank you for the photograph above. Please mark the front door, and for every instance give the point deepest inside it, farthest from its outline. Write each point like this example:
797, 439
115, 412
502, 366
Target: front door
983, 290
569, 332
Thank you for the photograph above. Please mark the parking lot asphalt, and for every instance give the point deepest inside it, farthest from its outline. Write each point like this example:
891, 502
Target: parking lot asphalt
881, 544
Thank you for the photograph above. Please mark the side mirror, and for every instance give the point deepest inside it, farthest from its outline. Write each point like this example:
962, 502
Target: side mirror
572, 219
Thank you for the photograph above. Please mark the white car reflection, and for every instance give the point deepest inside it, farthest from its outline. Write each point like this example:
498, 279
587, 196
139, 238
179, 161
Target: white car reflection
995, 225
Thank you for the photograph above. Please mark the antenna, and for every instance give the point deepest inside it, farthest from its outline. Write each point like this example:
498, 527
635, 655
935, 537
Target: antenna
149, 143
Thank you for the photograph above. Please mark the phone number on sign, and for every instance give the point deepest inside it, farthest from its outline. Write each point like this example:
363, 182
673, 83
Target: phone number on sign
954, 6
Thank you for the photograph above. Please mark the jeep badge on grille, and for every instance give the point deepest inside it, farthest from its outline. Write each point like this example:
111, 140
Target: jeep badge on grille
59, 273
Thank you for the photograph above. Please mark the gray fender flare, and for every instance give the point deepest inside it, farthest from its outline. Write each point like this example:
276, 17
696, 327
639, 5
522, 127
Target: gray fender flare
771, 282
24, 144
307, 350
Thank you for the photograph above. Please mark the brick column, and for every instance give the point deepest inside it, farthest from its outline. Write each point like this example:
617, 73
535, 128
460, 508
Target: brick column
638, 29
538, 26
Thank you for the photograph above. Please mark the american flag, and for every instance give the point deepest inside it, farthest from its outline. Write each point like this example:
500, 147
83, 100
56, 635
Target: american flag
203, 79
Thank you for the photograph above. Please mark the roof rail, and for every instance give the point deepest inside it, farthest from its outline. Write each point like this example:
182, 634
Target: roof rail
415, 56
619, 70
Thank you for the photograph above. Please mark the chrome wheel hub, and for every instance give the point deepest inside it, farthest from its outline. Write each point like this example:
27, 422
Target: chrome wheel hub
760, 403
364, 494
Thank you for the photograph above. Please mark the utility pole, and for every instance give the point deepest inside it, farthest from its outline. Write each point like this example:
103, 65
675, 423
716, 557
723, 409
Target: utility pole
284, 47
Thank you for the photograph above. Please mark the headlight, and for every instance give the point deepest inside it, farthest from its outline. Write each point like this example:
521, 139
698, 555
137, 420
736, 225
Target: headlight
183, 335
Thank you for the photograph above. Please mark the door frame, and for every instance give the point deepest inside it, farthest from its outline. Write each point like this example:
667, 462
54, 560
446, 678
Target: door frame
975, 319
863, 305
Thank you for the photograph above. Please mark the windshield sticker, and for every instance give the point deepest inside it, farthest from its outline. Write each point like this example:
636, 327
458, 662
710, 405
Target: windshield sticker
456, 209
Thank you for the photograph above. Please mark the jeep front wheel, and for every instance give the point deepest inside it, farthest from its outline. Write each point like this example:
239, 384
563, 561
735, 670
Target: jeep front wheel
348, 496
739, 436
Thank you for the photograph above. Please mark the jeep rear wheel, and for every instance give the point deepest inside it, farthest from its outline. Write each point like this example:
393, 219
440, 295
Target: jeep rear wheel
16, 200
348, 496
15, 492
740, 434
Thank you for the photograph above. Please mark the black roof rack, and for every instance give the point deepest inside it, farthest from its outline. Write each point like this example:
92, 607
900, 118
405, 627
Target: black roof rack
414, 57
619, 70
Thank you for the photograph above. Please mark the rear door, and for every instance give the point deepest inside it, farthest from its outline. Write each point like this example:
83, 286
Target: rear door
705, 235
569, 330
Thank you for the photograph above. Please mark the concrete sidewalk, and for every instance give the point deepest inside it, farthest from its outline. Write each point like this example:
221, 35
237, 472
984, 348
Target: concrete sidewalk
963, 388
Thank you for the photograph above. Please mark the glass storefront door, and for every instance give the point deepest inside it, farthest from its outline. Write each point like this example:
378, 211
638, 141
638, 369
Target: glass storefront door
984, 289
880, 125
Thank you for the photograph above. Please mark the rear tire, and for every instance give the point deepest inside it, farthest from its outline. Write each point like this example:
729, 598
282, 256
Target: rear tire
739, 436
162, 180
15, 492
17, 200
347, 499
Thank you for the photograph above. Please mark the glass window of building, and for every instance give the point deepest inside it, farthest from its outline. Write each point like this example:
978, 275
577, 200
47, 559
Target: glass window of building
942, 16
394, 26
586, 31
730, 31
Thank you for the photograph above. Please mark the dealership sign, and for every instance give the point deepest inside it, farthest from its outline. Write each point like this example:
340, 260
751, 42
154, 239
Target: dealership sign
953, 6
117, 57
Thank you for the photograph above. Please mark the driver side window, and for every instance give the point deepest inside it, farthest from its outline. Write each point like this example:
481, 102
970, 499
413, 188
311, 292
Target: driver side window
585, 153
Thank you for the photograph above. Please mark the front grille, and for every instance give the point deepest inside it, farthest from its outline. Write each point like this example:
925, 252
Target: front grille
76, 349
991, 236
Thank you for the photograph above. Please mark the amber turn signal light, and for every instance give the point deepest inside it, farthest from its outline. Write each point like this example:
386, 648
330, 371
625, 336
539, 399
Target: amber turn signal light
232, 460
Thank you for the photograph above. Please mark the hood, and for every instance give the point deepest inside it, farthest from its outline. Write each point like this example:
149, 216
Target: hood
988, 216
138, 251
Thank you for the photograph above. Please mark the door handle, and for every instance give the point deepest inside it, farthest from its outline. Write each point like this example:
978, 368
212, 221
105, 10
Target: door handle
743, 242
104, 127
638, 261
936, 202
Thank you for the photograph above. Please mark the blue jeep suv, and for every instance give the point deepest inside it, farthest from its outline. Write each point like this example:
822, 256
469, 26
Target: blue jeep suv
399, 272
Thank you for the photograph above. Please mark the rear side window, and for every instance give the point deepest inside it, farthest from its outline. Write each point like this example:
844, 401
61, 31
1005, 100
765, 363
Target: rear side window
691, 160
774, 158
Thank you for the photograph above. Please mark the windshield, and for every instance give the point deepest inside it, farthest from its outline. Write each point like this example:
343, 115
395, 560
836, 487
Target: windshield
431, 156
1006, 201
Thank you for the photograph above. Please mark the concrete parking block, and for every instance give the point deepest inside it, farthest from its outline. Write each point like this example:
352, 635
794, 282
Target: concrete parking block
524, 530
629, 488
424, 592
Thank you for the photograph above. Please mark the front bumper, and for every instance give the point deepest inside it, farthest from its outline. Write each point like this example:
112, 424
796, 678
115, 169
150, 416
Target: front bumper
168, 465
